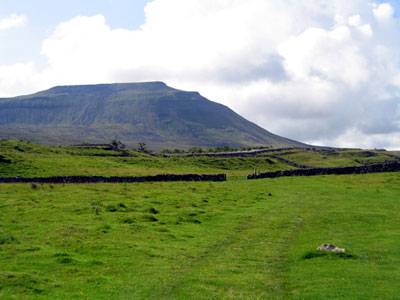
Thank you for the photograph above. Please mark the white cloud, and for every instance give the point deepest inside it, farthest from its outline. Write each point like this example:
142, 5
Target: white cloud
355, 20
356, 139
366, 29
383, 12
12, 21
312, 70
329, 55
18, 79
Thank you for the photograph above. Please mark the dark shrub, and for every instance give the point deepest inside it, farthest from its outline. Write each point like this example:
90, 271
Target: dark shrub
153, 211
7, 239
150, 218
65, 260
128, 220
111, 208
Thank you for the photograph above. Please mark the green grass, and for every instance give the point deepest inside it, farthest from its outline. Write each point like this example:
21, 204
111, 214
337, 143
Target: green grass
336, 158
203, 240
29, 160
237, 239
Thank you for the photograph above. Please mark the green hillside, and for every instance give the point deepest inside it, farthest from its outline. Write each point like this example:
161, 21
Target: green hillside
30, 160
335, 157
238, 239
151, 112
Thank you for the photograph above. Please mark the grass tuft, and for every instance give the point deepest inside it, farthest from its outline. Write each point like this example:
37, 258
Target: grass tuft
8, 239
65, 260
153, 211
111, 208
150, 218
128, 220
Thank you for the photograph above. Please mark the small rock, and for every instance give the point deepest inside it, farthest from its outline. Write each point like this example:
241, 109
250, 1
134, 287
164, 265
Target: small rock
330, 247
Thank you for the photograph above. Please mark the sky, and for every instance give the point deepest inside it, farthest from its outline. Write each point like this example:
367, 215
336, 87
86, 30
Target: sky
318, 71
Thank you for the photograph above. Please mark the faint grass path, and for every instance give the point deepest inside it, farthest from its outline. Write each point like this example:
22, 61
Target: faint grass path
249, 261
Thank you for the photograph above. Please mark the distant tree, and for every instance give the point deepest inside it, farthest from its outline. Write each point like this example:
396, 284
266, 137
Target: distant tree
114, 143
143, 148
166, 151
172, 151
195, 150
117, 145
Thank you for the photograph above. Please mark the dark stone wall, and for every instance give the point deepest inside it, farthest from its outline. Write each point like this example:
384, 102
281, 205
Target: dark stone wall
373, 168
114, 179
290, 163
89, 146
258, 151
241, 153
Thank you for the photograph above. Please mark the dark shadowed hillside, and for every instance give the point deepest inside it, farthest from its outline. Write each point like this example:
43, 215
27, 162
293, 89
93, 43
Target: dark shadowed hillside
131, 112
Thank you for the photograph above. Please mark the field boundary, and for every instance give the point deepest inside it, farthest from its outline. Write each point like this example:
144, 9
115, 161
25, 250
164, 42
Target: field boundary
288, 162
250, 153
115, 179
372, 168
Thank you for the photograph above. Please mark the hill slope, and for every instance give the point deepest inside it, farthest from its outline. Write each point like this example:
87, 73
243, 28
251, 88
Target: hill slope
150, 112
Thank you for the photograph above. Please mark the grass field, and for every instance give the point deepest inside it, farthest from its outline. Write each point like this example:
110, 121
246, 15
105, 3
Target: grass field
336, 158
237, 239
225, 240
29, 160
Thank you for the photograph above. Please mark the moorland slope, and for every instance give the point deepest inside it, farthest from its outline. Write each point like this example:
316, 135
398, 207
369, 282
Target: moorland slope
151, 112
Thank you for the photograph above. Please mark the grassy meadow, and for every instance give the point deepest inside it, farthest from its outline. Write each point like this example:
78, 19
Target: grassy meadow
237, 239
337, 157
29, 160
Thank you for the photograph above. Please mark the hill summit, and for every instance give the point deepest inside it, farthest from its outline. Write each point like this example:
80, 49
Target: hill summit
150, 112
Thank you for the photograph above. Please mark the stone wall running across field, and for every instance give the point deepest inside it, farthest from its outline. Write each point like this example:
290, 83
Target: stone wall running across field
114, 179
373, 168
288, 162
241, 153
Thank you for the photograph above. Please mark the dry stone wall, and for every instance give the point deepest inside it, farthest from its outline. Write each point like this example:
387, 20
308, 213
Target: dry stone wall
288, 162
373, 168
114, 179
241, 153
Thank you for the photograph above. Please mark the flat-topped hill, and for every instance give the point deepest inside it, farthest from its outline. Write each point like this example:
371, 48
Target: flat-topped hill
151, 112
